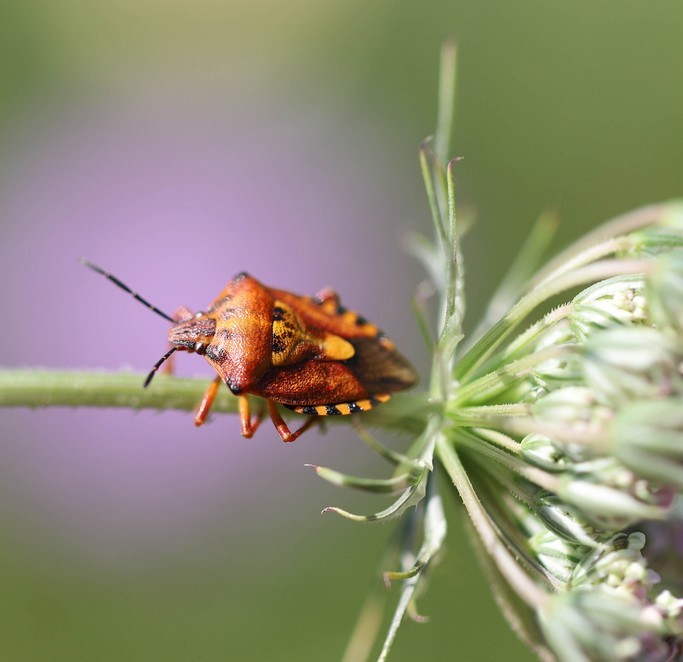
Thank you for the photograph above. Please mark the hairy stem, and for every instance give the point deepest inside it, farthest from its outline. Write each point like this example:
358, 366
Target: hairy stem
525, 587
46, 388
39, 388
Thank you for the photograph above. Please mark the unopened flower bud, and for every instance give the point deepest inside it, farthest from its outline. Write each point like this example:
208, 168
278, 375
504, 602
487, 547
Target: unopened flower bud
627, 363
648, 438
618, 300
665, 292
611, 507
562, 521
599, 625
575, 407
557, 556
539, 451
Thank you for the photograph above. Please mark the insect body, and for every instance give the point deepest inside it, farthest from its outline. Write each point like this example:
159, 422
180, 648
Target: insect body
307, 353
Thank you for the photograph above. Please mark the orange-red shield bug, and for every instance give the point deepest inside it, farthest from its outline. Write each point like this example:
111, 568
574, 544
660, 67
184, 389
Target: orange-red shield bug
309, 354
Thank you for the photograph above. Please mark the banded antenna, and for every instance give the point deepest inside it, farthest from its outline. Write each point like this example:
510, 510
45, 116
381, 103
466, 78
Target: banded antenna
157, 365
144, 302
125, 288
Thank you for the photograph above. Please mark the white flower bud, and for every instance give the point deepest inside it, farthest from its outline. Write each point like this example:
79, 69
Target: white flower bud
627, 363
575, 407
556, 372
648, 438
665, 291
562, 521
597, 624
566, 405
606, 505
539, 451
618, 300
670, 605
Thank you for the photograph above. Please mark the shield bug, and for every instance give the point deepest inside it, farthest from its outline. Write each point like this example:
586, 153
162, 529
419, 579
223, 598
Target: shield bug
309, 354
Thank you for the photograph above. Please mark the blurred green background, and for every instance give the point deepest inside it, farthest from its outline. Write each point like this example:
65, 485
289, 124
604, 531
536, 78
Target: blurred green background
575, 105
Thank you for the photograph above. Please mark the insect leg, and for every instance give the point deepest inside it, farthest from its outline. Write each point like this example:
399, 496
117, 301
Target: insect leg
248, 425
281, 426
168, 368
205, 405
328, 299
182, 314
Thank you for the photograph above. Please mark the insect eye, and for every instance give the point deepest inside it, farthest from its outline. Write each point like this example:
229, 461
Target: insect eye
199, 348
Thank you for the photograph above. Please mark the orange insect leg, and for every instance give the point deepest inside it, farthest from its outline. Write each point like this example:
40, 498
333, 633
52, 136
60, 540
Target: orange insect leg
183, 314
329, 300
205, 405
248, 426
281, 426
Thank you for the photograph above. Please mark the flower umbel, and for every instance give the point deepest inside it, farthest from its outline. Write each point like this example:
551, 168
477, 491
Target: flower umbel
561, 428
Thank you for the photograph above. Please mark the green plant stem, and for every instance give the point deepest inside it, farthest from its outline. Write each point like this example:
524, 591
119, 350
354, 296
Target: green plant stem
598, 439
499, 439
542, 478
47, 388
487, 415
525, 587
486, 387
621, 225
525, 339
41, 388
446, 108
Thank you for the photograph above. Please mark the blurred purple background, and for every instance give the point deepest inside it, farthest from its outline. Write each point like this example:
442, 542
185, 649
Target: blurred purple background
174, 200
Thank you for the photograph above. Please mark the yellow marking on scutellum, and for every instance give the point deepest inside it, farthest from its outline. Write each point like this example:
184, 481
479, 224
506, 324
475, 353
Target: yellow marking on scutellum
336, 348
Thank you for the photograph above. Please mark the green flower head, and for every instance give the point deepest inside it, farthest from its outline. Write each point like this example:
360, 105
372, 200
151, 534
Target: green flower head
561, 428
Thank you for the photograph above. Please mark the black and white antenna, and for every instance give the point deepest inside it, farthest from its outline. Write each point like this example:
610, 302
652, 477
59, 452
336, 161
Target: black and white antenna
144, 302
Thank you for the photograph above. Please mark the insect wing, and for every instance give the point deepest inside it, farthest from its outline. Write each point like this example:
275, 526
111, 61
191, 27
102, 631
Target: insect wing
312, 383
375, 364
379, 369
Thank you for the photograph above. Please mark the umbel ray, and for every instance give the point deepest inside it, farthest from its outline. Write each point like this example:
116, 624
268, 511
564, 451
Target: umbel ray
308, 353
